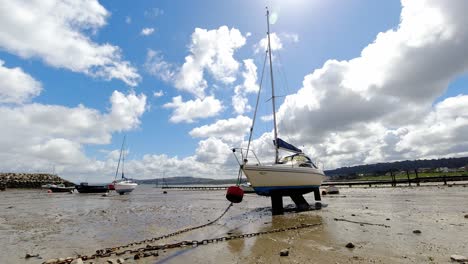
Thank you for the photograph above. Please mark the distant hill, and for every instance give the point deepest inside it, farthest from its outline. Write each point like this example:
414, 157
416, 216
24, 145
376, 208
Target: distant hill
369, 169
186, 180
380, 168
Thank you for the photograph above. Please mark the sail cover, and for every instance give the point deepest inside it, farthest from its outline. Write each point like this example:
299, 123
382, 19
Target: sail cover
286, 146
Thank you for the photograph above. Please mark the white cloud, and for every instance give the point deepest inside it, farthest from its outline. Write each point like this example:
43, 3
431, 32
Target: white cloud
275, 43
212, 151
39, 136
55, 31
191, 110
211, 50
158, 93
239, 99
147, 31
444, 132
157, 66
229, 130
16, 86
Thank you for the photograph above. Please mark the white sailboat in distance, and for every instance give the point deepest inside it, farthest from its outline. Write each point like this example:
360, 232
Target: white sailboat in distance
294, 173
123, 185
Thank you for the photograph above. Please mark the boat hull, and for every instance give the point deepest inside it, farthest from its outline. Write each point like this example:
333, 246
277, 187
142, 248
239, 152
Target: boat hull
61, 189
91, 188
124, 187
269, 179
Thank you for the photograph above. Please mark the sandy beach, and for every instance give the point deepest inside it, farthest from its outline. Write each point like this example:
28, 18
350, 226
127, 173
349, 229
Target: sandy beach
64, 225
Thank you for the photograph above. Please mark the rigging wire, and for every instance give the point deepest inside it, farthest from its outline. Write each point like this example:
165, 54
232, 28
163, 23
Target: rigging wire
239, 175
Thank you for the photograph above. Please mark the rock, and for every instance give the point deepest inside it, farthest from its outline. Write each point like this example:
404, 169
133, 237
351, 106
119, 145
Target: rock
459, 258
367, 207
417, 231
350, 245
388, 219
50, 261
324, 192
31, 256
77, 261
111, 261
353, 215
466, 216
137, 256
165, 192
120, 260
284, 253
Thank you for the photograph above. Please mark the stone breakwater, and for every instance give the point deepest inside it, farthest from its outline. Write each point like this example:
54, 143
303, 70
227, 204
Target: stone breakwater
30, 180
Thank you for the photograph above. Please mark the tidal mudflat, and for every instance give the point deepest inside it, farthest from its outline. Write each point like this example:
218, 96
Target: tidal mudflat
379, 222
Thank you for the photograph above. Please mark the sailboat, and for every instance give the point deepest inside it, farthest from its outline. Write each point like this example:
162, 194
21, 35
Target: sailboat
294, 173
123, 185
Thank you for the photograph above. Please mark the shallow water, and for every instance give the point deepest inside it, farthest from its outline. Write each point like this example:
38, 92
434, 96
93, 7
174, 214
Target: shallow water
61, 225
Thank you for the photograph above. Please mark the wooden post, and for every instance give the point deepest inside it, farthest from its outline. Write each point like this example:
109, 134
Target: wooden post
417, 177
409, 180
393, 178
445, 180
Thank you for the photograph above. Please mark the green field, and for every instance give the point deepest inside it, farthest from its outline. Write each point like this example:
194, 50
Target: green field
403, 176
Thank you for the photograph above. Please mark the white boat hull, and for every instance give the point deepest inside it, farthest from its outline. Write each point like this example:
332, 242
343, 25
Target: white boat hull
267, 178
124, 187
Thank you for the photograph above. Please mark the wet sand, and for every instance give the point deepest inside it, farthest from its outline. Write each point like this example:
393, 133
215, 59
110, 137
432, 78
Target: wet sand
62, 225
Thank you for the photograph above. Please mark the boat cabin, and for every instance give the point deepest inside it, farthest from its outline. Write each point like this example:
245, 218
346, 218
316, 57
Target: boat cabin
299, 160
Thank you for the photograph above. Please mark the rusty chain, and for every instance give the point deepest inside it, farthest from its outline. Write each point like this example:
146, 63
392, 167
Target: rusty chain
106, 251
147, 250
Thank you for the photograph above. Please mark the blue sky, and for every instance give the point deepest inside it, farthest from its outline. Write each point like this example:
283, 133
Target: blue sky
331, 51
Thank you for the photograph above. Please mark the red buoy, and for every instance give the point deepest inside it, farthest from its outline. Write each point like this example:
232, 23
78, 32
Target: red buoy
234, 194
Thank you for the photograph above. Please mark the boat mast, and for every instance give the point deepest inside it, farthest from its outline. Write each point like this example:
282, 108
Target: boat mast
272, 87
123, 161
120, 157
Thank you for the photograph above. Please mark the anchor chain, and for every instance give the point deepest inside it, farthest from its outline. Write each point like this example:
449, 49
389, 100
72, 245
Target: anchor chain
106, 252
147, 250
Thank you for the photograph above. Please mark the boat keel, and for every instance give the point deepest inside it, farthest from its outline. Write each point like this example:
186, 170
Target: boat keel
302, 205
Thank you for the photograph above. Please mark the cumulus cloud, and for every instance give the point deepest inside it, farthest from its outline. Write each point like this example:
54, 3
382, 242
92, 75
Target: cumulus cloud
158, 93
147, 31
16, 86
191, 110
275, 43
57, 32
38, 136
229, 130
239, 99
212, 150
211, 50
158, 67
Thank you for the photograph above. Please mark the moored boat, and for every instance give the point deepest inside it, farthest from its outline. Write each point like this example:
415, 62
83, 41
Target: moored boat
84, 187
61, 188
294, 173
123, 185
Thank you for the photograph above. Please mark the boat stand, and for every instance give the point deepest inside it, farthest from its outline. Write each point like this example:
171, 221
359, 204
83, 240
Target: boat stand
297, 197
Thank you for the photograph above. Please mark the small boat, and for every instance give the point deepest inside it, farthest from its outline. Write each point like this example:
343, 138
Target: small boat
84, 187
332, 189
247, 187
48, 186
123, 185
61, 188
294, 173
